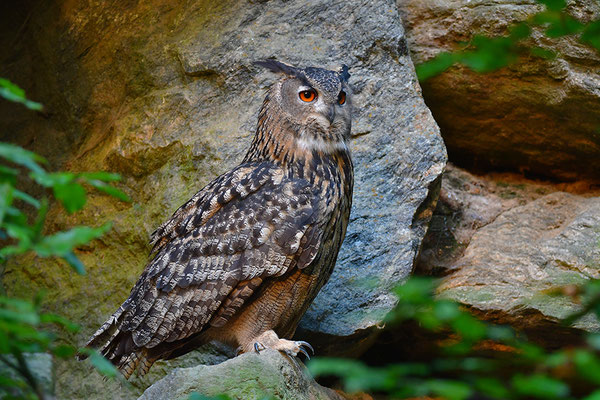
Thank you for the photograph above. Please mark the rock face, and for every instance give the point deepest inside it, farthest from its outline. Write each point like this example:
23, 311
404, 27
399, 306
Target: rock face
41, 367
166, 94
537, 116
506, 245
247, 377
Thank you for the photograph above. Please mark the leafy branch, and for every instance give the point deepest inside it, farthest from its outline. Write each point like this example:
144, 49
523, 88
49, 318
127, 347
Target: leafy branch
486, 54
23, 324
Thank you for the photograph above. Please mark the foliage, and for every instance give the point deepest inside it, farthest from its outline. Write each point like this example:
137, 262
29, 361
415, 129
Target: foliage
520, 370
23, 324
486, 54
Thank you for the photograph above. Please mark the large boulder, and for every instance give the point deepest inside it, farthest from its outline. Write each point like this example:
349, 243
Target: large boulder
166, 94
507, 246
251, 376
539, 117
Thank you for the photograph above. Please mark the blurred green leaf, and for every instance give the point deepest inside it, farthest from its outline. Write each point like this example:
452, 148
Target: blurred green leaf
539, 386
75, 263
101, 364
450, 390
101, 176
26, 198
72, 196
492, 387
198, 396
519, 31
435, 66
6, 199
554, 5
12, 92
62, 243
469, 327
587, 365
59, 320
22, 157
64, 351
542, 53
356, 375
593, 340
591, 34
594, 396
110, 190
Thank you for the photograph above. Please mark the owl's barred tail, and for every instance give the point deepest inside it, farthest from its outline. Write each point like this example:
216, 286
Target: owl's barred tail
118, 347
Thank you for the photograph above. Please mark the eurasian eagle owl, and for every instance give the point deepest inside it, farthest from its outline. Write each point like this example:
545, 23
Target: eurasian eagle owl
241, 261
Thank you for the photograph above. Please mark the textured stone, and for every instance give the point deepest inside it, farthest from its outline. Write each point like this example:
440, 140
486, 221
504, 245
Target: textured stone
537, 116
506, 245
247, 377
165, 93
42, 369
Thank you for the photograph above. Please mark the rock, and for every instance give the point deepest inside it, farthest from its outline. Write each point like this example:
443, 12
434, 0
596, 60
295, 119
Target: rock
41, 367
166, 95
507, 245
537, 116
246, 377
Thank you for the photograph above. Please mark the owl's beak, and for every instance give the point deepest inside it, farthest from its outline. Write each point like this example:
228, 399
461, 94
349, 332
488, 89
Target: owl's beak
330, 115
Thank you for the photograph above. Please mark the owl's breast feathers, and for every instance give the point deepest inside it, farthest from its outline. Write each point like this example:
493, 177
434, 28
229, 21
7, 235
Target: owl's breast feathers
252, 224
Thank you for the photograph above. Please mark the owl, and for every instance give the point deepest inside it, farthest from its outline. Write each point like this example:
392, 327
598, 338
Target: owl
242, 260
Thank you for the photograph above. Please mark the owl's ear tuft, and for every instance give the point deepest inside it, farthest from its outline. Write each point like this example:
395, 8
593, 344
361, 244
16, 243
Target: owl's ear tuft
344, 74
277, 66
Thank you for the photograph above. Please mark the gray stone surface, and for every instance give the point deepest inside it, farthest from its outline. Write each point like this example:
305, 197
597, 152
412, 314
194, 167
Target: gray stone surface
250, 376
42, 369
165, 93
512, 266
536, 116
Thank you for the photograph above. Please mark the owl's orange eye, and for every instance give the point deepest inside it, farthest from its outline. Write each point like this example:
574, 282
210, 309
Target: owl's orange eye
307, 95
342, 97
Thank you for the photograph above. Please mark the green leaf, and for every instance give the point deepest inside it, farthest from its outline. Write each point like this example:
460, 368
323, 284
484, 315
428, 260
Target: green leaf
12, 92
540, 386
6, 199
62, 243
100, 363
435, 66
492, 387
22, 157
72, 196
520, 31
26, 198
445, 310
64, 351
587, 365
451, 390
594, 396
593, 340
8, 175
591, 34
355, 374
59, 320
108, 189
469, 327
101, 176
553, 5
542, 53
198, 396
75, 263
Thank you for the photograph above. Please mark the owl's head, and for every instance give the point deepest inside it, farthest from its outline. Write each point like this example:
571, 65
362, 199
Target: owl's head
316, 99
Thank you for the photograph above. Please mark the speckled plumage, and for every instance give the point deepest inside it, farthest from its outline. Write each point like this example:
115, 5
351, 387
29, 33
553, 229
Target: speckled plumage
241, 261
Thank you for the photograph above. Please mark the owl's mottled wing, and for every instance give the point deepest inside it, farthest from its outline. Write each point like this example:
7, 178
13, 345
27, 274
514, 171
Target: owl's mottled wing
246, 226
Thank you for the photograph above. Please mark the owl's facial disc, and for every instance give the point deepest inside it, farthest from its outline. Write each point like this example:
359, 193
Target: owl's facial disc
318, 109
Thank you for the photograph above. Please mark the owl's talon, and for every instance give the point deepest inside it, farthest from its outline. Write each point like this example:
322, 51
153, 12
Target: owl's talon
258, 347
306, 344
305, 353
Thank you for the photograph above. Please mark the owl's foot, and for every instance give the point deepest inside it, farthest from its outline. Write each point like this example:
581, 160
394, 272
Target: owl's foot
270, 340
